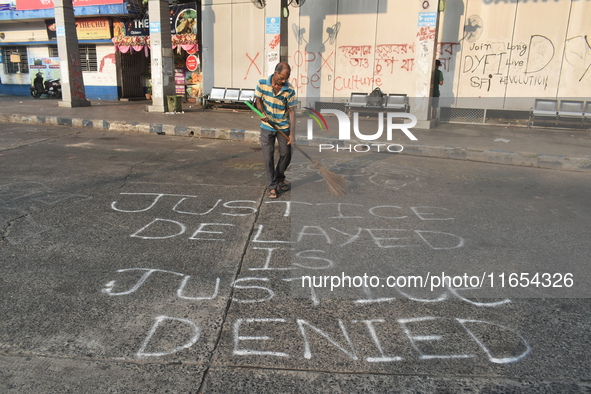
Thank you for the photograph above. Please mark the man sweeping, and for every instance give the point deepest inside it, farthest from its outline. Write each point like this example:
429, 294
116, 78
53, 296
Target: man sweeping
276, 99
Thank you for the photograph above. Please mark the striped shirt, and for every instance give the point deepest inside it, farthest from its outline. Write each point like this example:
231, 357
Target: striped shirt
276, 105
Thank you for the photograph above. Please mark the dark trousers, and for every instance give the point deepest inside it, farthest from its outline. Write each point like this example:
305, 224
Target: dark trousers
275, 174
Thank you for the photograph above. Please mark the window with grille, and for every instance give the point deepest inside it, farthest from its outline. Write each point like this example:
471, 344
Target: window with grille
53, 51
87, 56
13, 53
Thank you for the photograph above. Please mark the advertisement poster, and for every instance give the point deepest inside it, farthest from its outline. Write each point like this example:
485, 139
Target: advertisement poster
49, 67
179, 81
194, 84
183, 19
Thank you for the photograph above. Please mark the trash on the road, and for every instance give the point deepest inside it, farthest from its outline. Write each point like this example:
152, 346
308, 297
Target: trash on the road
502, 140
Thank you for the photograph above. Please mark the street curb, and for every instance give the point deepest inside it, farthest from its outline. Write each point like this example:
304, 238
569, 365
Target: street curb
524, 159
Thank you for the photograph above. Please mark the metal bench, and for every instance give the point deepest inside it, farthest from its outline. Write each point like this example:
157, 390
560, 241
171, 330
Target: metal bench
561, 113
217, 95
543, 108
235, 97
366, 102
246, 95
232, 95
357, 100
571, 109
587, 113
397, 102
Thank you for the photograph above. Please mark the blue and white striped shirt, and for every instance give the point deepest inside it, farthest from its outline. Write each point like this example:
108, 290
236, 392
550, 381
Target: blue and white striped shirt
276, 105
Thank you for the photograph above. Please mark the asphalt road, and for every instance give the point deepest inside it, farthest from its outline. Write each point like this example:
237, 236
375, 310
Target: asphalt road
157, 263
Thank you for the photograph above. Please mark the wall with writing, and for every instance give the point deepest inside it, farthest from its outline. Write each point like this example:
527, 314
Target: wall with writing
346, 47
575, 78
494, 54
512, 52
313, 44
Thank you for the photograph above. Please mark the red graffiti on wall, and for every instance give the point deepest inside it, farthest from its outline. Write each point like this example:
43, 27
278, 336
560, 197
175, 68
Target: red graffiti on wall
447, 47
357, 55
445, 63
304, 69
385, 58
77, 83
356, 83
426, 33
325, 61
300, 81
107, 57
304, 59
384, 64
408, 64
357, 50
252, 62
276, 40
387, 50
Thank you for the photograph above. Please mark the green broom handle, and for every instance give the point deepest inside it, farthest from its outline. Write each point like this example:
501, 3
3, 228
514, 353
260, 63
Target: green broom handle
256, 111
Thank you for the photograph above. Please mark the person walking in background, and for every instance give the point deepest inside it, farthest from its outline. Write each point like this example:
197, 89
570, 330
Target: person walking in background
276, 99
437, 81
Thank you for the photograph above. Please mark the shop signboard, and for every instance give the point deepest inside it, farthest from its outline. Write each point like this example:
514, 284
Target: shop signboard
136, 27
93, 28
22, 5
86, 29
183, 20
192, 62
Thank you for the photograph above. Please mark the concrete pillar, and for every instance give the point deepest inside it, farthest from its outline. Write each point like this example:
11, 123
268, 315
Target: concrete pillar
283, 50
73, 92
273, 53
426, 53
161, 55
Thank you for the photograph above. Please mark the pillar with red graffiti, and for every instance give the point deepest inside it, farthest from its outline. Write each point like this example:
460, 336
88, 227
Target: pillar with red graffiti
73, 92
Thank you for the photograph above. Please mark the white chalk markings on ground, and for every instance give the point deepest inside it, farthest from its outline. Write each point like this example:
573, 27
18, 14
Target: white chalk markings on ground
334, 333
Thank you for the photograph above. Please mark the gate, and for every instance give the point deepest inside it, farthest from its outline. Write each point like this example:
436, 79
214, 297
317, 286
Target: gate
132, 67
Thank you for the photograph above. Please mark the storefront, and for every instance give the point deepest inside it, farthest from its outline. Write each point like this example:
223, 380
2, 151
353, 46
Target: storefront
114, 51
30, 46
132, 43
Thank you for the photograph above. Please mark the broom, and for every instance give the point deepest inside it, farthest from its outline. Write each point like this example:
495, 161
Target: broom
337, 185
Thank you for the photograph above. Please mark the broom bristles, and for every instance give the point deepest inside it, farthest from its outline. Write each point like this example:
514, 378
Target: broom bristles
337, 185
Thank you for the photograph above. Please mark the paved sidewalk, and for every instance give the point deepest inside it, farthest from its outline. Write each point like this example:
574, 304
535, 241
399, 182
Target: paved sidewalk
562, 149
